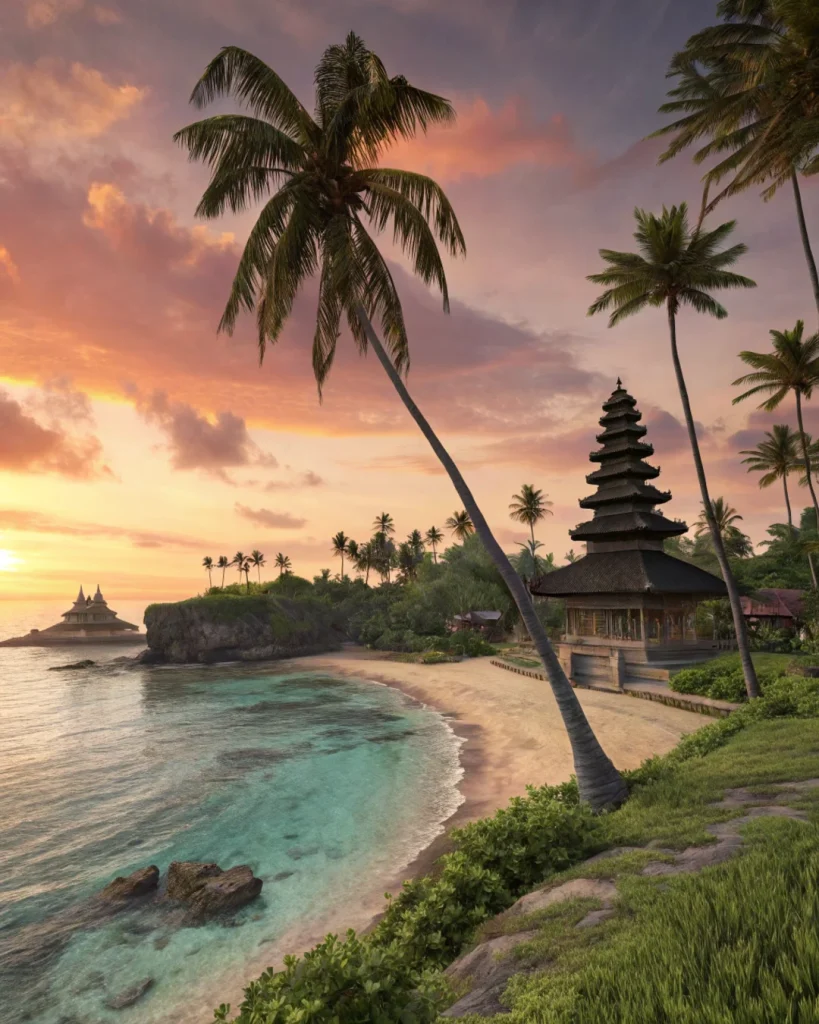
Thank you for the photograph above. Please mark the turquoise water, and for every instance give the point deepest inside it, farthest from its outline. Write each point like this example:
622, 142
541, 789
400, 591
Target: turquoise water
325, 786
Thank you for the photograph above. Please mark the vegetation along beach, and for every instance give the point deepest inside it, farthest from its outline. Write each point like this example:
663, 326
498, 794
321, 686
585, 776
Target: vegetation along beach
408, 555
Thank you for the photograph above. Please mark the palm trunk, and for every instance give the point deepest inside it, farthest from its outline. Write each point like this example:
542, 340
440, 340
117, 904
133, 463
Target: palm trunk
787, 501
532, 531
803, 231
748, 671
342, 567
598, 780
223, 578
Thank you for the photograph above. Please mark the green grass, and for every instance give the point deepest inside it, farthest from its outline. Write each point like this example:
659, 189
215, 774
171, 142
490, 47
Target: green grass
735, 943
523, 662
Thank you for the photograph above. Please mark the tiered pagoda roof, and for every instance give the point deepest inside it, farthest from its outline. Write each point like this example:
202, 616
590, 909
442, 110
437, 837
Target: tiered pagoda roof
624, 538
624, 501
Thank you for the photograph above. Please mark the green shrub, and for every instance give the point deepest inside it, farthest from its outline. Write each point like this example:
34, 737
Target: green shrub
472, 645
721, 681
433, 917
342, 983
436, 658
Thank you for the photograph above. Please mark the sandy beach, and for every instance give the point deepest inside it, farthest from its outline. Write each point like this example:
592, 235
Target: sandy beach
512, 732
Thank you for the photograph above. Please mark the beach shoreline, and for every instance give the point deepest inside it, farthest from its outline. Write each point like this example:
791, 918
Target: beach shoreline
510, 736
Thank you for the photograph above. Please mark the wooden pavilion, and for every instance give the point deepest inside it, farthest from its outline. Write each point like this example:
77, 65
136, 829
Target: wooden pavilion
628, 603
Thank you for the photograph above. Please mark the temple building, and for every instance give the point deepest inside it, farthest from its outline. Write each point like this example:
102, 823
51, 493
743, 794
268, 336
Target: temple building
89, 620
629, 605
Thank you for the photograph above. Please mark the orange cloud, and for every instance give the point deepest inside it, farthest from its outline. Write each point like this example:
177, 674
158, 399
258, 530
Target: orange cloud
46, 100
8, 265
483, 142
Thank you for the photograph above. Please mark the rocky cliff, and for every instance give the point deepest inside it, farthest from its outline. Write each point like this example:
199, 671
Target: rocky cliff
235, 628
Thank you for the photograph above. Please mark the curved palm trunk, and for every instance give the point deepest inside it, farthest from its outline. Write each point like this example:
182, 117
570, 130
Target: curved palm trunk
808, 473
748, 671
803, 231
598, 780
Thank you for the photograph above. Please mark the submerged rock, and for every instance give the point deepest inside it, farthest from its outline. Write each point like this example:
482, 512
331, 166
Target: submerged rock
129, 996
139, 883
186, 876
85, 663
208, 890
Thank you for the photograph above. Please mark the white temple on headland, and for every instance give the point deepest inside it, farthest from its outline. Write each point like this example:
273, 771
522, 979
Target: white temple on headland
89, 620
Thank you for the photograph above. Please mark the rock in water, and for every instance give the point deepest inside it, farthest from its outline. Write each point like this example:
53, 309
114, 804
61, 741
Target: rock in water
139, 883
85, 663
129, 996
210, 890
186, 876
228, 891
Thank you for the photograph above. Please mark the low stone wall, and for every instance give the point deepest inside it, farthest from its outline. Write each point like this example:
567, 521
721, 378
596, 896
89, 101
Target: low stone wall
655, 692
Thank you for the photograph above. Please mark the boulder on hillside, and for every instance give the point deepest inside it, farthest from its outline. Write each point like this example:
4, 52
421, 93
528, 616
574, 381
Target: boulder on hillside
140, 882
207, 889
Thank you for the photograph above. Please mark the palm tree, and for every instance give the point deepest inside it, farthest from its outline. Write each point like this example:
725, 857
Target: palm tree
726, 516
460, 523
792, 366
529, 507
408, 558
570, 556
326, 182
257, 559
676, 267
239, 560
222, 564
434, 537
366, 557
339, 546
775, 458
416, 543
384, 524
207, 565
283, 564
746, 85
383, 554
353, 552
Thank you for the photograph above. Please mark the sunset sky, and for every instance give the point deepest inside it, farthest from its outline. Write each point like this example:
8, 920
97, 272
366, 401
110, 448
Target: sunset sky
134, 440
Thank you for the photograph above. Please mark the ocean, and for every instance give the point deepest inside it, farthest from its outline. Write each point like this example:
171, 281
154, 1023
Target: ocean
326, 786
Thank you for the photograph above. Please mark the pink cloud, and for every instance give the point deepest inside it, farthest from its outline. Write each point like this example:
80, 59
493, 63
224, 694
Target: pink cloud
268, 519
484, 142
26, 446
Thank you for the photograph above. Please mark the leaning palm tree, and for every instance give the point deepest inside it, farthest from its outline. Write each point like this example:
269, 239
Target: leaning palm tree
775, 458
283, 564
222, 564
793, 366
747, 86
207, 565
257, 559
726, 517
529, 507
239, 560
433, 537
461, 525
322, 184
339, 546
383, 523
676, 266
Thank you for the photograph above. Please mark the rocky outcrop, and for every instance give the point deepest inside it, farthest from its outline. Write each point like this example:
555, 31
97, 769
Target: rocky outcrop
85, 663
236, 628
209, 890
140, 883
130, 995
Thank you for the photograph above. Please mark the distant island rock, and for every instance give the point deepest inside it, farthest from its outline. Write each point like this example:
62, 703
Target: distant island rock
237, 628
75, 665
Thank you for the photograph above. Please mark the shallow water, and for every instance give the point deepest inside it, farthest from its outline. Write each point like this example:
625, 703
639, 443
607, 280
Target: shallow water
324, 786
